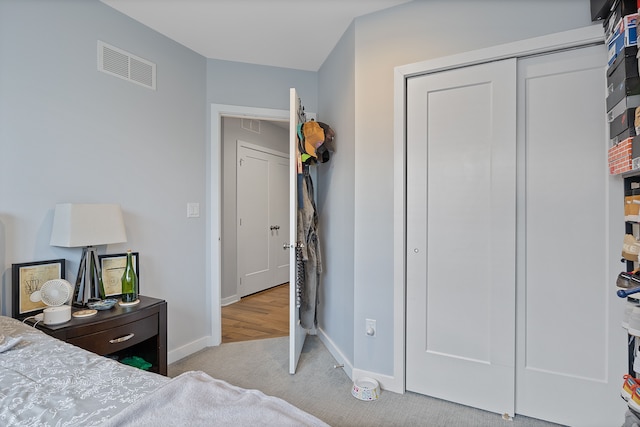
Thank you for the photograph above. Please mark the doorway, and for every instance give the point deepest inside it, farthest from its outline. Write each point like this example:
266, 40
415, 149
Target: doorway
258, 316
294, 115
265, 136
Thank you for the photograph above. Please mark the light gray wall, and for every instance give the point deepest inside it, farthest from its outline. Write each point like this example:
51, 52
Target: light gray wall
336, 195
261, 86
62, 121
413, 32
270, 136
69, 133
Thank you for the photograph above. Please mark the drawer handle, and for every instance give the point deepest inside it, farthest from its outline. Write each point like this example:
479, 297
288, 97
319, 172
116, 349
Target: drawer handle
122, 339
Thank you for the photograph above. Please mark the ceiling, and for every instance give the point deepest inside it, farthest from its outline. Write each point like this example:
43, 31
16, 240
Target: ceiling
297, 34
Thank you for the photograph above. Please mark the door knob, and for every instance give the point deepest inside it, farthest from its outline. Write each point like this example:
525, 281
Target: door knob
292, 246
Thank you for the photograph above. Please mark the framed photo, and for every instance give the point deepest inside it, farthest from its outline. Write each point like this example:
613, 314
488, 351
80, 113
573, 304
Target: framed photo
112, 267
28, 278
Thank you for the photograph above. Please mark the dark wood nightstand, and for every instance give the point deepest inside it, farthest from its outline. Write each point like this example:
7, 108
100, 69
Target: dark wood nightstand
139, 330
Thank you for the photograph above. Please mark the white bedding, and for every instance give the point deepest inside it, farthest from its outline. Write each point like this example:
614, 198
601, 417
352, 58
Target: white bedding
47, 382
199, 400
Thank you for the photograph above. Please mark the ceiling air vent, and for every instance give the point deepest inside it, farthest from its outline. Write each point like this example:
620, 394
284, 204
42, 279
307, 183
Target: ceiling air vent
251, 125
123, 64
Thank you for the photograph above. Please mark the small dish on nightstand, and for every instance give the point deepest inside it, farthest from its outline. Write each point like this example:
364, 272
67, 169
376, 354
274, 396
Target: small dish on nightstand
104, 304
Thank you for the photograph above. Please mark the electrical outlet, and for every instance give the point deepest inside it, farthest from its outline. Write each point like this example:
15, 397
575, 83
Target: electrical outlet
370, 328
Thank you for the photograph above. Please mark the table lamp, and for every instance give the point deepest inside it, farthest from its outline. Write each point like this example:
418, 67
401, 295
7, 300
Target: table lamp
86, 226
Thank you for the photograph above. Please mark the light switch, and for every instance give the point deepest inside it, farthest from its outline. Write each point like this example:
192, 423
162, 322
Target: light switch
193, 210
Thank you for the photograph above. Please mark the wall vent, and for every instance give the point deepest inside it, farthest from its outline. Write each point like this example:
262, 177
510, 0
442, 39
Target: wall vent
251, 125
125, 65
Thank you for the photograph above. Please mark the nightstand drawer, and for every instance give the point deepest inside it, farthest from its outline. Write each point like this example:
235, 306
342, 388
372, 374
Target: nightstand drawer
116, 339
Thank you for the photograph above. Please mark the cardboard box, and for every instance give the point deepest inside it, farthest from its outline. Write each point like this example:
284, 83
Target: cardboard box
602, 9
624, 35
628, 60
619, 157
623, 80
623, 122
631, 208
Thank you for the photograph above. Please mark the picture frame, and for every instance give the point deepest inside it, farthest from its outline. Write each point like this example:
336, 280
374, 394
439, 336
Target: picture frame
26, 278
112, 267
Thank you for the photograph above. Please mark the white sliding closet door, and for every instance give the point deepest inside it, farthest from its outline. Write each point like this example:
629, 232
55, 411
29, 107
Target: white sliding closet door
571, 347
461, 189
494, 212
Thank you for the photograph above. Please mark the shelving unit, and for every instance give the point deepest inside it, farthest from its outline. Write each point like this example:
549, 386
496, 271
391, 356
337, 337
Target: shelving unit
631, 188
619, 18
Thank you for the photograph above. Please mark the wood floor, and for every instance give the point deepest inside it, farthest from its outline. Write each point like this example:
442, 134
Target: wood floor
258, 316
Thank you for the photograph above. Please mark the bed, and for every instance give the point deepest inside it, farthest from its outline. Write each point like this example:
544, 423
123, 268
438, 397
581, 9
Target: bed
47, 382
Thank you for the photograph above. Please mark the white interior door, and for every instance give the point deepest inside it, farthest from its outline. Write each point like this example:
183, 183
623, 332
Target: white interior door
461, 157
263, 218
571, 348
297, 334
279, 212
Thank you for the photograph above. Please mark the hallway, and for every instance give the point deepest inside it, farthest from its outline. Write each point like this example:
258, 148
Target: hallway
261, 315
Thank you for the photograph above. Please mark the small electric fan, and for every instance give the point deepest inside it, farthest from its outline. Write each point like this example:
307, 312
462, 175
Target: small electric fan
54, 294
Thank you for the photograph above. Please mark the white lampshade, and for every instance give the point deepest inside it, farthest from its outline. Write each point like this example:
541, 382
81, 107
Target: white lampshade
80, 225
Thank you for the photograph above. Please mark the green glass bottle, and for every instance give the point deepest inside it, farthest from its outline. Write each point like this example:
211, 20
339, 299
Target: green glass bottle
101, 287
129, 281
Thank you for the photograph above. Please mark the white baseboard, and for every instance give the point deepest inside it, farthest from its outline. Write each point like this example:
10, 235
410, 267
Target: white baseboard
229, 300
387, 382
188, 349
335, 352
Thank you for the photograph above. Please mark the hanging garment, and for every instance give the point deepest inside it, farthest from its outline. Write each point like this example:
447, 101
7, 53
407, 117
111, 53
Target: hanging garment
310, 251
299, 277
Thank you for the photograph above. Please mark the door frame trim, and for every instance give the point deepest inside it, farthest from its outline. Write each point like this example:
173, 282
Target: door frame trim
539, 45
214, 241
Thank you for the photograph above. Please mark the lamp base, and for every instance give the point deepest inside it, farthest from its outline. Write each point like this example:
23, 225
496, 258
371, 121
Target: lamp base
87, 281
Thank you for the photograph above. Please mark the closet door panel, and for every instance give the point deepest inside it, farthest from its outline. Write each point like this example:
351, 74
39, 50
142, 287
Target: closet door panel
461, 235
254, 269
279, 214
566, 290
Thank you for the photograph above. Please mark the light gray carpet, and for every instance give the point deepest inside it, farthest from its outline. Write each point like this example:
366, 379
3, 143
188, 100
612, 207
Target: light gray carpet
325, 391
